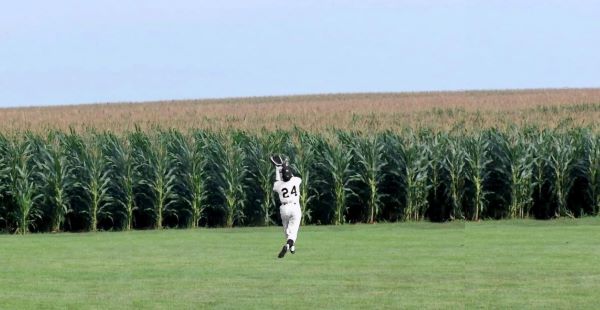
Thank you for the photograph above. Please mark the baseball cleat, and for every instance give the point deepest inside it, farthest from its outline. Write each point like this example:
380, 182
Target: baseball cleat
283, 251
291, 245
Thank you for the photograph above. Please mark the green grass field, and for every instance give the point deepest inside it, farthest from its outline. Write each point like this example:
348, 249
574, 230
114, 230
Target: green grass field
491, 264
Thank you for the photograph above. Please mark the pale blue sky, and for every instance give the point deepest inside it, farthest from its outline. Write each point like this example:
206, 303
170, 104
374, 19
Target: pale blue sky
66, 52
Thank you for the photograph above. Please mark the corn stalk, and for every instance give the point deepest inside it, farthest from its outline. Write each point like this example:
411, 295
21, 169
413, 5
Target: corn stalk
436, 166
477, 164
122, 166
522, 185
592, 170
231, 172
55, 169
189, 159
158, 176
560, 162
336, 160
5, 170
414, 171
368, 152
541, 151
18, 171
304, 156
454, 163
94, 176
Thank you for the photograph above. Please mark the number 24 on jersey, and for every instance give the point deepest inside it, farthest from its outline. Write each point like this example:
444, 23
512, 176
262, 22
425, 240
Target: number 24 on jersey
286, 194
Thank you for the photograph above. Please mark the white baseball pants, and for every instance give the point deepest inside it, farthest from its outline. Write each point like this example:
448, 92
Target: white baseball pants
291, 216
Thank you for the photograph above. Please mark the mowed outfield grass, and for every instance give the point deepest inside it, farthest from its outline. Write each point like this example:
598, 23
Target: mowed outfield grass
533, 264
491, 264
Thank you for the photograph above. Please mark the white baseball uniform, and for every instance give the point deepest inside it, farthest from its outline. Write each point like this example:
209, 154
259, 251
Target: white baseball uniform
289, 196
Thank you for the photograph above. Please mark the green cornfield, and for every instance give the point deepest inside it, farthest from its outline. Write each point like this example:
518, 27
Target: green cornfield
167, 178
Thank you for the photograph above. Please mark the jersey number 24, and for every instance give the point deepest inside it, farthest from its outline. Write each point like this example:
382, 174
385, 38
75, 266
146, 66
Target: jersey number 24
285, 194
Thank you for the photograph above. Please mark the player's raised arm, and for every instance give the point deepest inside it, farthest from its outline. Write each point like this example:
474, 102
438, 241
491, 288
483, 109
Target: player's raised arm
278, 173
277, 161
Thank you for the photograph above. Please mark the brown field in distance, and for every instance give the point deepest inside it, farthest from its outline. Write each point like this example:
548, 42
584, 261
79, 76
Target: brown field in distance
469, 110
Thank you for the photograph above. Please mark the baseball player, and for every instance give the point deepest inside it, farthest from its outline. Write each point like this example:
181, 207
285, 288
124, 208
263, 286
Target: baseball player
287, 187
